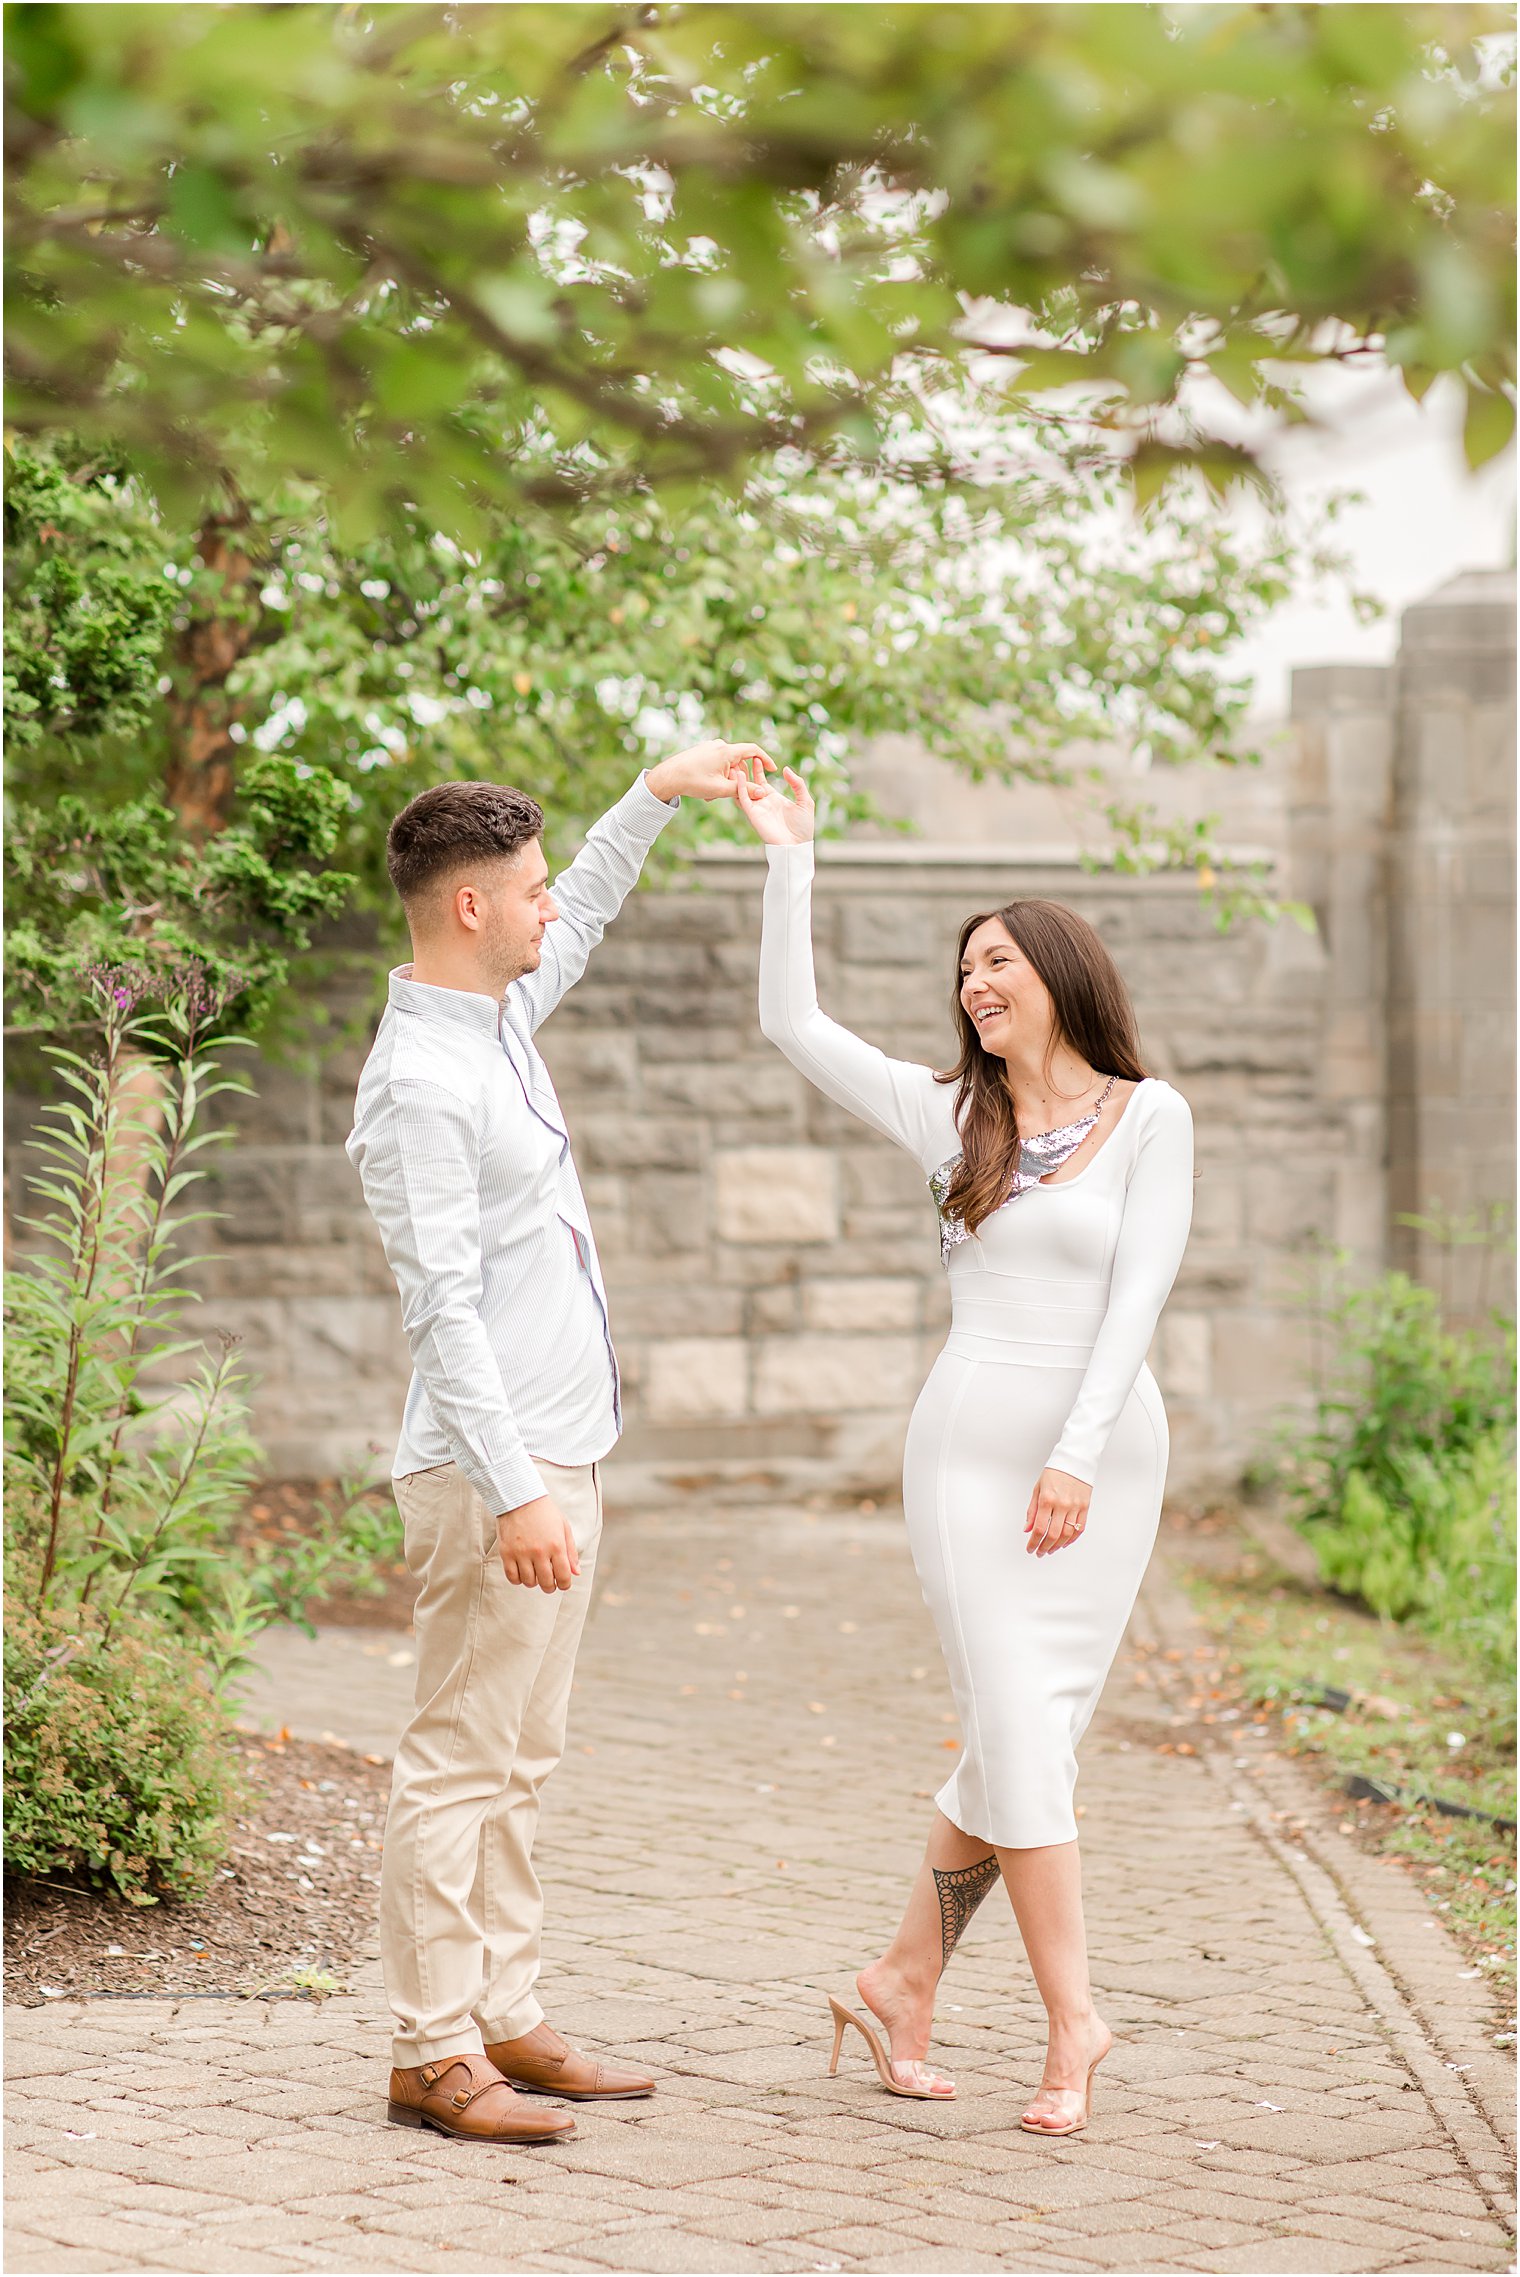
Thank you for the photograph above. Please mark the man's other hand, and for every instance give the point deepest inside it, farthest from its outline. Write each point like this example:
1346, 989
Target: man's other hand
537, 1547
709, 771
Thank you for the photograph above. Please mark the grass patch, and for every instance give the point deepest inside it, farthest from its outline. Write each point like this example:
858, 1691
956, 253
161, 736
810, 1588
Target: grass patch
1418, 1719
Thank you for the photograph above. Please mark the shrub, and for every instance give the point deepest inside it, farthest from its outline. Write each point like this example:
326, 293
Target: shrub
1405, 1484
118, 1760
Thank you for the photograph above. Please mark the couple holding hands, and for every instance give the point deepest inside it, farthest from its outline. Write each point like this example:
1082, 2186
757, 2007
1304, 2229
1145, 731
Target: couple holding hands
1035, 1460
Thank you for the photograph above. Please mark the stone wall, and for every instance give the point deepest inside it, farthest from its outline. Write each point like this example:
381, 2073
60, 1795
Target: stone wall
1402, 829
773, 1265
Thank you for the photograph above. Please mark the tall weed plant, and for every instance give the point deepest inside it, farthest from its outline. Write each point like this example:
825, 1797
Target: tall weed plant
1404, 1483
131, 1604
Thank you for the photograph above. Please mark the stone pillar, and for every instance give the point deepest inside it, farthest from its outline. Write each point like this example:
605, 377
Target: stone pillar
1340, 804
1450, 930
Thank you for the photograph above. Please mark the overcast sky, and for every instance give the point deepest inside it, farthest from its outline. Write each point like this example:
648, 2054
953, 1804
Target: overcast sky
1426, 517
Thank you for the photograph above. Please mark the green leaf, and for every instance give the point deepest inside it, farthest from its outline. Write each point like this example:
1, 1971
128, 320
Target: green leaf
204, 212
1487, 426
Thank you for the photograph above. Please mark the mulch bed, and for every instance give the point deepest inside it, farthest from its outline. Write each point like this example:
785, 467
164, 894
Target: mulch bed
295, 1895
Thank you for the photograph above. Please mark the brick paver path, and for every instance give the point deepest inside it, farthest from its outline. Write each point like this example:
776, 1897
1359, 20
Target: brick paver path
760, 1718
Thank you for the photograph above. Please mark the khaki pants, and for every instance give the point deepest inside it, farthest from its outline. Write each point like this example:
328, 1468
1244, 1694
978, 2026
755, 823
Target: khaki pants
461, 1910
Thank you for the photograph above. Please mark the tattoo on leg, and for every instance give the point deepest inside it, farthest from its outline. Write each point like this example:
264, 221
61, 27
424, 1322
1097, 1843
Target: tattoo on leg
961, 1890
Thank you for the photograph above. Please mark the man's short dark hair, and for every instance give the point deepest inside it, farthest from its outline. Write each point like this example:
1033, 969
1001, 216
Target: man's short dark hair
446, 828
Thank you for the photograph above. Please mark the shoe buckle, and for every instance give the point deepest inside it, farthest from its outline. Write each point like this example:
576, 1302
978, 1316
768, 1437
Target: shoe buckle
428, 2074
461, 2097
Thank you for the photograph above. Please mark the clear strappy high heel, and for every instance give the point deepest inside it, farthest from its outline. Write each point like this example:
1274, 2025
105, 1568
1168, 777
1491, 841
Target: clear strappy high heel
1078, 2121
926, 2084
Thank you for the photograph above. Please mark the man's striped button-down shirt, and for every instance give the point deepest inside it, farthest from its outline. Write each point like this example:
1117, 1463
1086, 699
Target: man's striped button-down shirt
461, 1146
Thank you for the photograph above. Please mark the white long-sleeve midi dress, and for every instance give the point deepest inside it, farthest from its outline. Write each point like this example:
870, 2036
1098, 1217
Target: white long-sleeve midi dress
1054, 1302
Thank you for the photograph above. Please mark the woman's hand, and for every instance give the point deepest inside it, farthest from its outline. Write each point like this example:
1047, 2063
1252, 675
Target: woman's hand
779, 821
1057, 1512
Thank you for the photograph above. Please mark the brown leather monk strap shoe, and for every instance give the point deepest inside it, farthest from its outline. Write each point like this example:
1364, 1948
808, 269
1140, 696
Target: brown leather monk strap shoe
467, 2096
541, 2060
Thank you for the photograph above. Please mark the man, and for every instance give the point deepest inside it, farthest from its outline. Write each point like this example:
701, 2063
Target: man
462, 1149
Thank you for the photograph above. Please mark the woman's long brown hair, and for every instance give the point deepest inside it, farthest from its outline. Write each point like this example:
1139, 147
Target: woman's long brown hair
1093, 1015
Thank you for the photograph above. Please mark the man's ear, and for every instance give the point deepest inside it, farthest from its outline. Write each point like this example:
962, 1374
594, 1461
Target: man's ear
466, 906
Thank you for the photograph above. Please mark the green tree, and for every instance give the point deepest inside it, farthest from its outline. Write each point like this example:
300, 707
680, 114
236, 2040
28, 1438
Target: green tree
434, 258
201, 739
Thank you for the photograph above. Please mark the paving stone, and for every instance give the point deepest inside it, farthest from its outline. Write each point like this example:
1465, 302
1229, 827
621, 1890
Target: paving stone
27, 2257
923, 2262
756, 2225
653, 2252
1292, 2257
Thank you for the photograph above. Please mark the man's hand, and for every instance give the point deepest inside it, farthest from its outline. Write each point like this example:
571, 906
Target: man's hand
1057, 1512
709, 771
537, 1547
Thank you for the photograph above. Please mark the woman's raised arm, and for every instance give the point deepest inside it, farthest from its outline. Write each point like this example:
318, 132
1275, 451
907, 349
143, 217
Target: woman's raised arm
895, 1096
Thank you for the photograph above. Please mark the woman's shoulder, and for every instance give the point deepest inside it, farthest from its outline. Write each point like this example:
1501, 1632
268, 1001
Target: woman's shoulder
1155, 1102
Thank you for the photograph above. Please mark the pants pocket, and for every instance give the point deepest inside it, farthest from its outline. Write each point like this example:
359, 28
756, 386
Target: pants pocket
426, 1501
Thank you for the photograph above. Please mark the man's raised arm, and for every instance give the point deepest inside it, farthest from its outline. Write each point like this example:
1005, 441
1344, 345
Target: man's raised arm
589, 894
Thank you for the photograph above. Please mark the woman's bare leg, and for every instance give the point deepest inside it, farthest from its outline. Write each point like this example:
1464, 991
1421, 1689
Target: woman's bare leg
957, 1872
1045, 1887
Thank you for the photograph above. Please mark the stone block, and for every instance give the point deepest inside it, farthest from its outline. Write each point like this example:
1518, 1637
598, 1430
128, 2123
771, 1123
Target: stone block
1258, 1356
249, 1188
892, 930
662, 1310
1219, 1198
1184, 1354
667, 1213
877, 1002
636, 1142
871, 1304
341, 1340
767, 1089
879, 1176
693, 1379
262, 1326
601, 1061
665, 1020
813, 1375
1321, 688
708, 911
672, 1036
677, 967
772, 1311
326, 1198
1289, 1204
776, 1193
281, 1109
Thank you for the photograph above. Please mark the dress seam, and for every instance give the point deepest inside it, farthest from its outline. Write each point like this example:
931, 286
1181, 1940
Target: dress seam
952, 1599
1089, 1705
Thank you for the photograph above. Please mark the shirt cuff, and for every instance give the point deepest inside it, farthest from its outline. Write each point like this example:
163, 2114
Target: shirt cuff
785, 857
507, 1488
665, 808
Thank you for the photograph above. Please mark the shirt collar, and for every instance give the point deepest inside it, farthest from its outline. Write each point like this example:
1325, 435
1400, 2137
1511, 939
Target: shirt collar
461, 1005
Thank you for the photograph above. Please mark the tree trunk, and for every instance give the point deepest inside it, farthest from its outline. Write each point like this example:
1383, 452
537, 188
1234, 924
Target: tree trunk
202, 766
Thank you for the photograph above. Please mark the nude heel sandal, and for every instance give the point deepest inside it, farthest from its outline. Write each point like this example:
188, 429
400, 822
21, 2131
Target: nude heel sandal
1077, 2124
923, 2093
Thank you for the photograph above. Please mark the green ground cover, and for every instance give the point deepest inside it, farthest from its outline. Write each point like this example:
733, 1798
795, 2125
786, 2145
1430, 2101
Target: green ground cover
1419, 1718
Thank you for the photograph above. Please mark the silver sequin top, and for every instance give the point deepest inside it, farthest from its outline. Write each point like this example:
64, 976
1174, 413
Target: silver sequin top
1039, 1154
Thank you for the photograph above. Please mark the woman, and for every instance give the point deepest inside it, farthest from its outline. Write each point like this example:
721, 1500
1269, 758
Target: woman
1063, 1174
